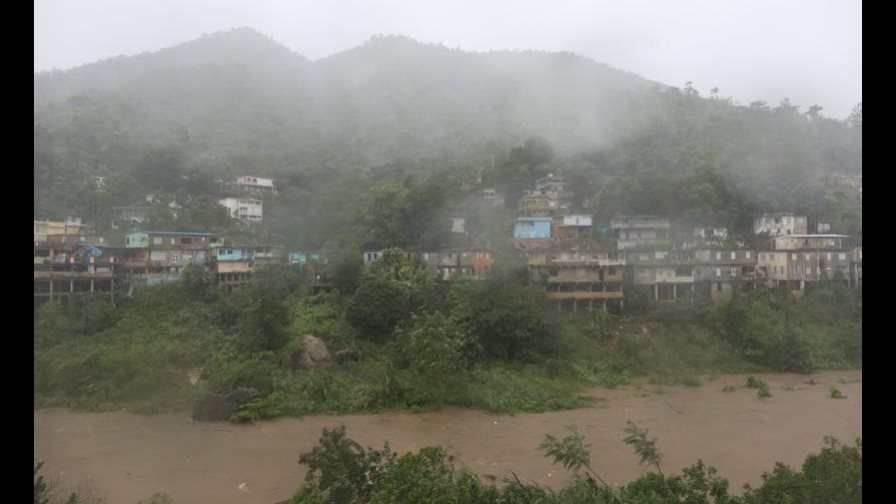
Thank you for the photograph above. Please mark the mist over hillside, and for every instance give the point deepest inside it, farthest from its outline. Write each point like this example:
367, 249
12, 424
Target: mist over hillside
238, 102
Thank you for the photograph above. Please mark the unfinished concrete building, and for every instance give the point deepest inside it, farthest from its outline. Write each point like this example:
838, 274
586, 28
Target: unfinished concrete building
720, 273
63, 267
579, 280
663, 275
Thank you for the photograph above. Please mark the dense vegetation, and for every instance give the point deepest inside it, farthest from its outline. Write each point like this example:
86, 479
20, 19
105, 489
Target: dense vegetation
341, 471
497, 345
385, 133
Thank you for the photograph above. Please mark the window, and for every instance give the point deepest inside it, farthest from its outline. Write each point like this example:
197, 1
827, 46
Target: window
841, 256
660, 255
127, 241
734, 272
611, 271
734, 255
682, 272
718, 286
186, 241
718, 255
807, 256
793, 256
157, 240
718, 272
173, 241
748, 254
829, 256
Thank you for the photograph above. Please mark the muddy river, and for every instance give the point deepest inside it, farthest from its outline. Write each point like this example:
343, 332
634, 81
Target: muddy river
123, 458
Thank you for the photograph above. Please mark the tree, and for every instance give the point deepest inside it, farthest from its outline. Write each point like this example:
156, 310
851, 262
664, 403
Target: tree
644, 448
570, 451
509, 320
342, 469
377, 307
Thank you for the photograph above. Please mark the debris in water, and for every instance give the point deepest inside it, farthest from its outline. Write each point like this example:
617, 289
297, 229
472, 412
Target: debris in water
243, 488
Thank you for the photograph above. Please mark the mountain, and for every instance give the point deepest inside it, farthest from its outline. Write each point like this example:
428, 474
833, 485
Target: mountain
240, 91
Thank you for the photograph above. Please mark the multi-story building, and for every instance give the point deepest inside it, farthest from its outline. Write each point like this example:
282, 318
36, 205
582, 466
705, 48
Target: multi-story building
810, 242
532, 232
235, 264
569, 227
780, 224
461, 263
718, 273
638, 231
540, 203
664, 275
244, 209
578, 280
798, 269
63, 267
71, 227
155, 257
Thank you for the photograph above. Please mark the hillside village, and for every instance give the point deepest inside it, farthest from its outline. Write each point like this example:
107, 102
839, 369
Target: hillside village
584, 261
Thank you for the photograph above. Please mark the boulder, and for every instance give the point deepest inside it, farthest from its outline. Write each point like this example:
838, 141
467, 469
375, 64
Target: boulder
213, 407
347, 355
314, 352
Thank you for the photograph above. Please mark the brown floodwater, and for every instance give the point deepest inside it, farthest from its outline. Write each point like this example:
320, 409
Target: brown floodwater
123, 457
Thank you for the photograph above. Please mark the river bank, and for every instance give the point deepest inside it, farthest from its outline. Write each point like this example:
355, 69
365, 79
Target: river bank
124, 457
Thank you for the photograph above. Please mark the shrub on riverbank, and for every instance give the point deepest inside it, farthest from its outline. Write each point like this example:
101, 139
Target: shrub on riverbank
493, 345
341, 471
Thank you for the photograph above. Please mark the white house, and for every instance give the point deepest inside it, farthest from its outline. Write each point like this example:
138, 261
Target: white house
244, 209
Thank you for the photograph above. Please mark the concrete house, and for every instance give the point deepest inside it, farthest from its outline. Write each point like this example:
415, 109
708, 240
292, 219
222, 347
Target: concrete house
638, 231
664, 275
154, 257
579, 280
569, 227
61, 269
780, 224
532, 232
235, 264
254, 185
244, 209
719, 272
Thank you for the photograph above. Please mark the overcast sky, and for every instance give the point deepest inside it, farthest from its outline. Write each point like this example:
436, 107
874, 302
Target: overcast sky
807, 51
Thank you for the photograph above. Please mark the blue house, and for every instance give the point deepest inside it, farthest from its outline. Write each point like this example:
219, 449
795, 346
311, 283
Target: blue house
231, 254
532, 227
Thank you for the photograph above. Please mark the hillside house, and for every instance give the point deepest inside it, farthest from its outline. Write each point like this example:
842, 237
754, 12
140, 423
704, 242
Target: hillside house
62, 269
570, 227
244, 209
780, 224
532, 232
154, 257
254, 185
640, 231
719, 273
579, 280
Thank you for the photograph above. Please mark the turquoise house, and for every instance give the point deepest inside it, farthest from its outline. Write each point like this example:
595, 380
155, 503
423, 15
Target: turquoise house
532, 227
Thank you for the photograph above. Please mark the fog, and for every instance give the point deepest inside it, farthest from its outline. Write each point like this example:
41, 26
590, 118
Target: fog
809, 52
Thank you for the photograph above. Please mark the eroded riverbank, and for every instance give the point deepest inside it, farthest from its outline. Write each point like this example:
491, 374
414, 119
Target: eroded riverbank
123, 457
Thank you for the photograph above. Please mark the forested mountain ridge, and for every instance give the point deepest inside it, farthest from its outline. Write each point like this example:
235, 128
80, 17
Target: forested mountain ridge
389, 98
237, 102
